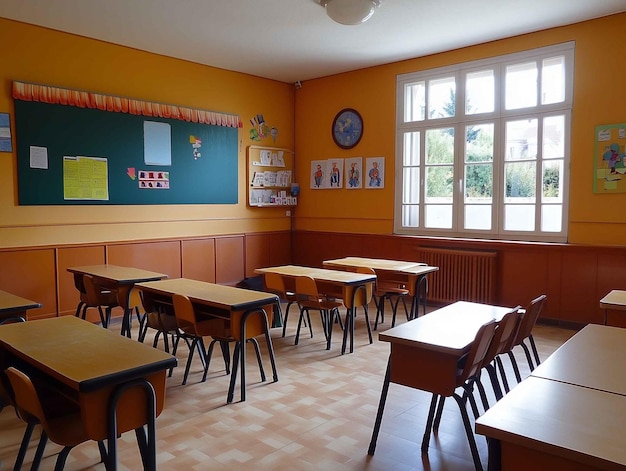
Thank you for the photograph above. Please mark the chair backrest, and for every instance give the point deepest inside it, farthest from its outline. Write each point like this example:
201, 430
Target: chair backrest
275, 284
25, 396
184, 312
506, 329
474, 359
529, 318
95, 294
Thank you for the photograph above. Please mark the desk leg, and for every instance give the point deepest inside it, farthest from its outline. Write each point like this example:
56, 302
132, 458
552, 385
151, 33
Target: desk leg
123, 299
239, 357
148, 449
381, 408
421, 285
350, 313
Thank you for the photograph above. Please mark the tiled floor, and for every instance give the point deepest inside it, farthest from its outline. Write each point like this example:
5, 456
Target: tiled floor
318, 416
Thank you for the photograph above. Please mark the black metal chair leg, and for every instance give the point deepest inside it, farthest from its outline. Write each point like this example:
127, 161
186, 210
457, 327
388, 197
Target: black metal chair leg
19, 460
430, 424
468, 431
60, 463
39, 453
379, 414
534, 349
258, 357
518, 376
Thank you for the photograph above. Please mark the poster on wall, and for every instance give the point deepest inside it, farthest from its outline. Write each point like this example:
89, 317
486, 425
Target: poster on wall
318, 174
609, 163
375, 168
354, 170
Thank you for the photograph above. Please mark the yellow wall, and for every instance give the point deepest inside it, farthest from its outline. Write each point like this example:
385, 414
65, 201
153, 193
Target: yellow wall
599, 98
39, 55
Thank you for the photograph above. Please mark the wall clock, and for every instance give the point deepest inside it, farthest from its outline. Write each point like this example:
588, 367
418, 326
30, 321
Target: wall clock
347, 128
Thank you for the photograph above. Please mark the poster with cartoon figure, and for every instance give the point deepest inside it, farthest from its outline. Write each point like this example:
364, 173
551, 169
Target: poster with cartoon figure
354, 170
610, 159
335, 173
319, 174
375, 168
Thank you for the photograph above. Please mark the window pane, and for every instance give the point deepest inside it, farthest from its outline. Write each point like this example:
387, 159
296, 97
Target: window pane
521, 86
441, 98
519, 217
439, 146
411, 148
439, 184
553, 80
479, 92
553, 137
414, 102
479, 143
521, 139
478, 217
520, 181
410, 216
411, 185
551, 218
438, 216
552, 181
478, 183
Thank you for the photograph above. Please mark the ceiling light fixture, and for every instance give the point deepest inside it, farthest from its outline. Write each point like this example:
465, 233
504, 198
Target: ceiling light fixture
350, 12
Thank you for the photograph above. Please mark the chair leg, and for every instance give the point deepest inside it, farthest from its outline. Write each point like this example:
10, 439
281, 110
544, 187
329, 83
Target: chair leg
302, 310
60, 464
286, 317
495, 384
192, 347
226, 355
518, 376
78, 308
529, 359
367, 324
19, 460
103, 319
439, 413
39, 452
258, 357
468, 431
505, 381
534, 349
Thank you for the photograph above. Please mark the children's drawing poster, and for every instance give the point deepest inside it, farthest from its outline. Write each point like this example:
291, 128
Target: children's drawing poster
319, 174
354, 172
610, 159
375, 168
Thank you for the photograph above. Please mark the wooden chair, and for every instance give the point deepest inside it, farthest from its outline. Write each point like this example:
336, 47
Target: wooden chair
529, 319
193, 331
98, 297
65, 429
309, 298
469, 367
387, 288
506, 329
274, 284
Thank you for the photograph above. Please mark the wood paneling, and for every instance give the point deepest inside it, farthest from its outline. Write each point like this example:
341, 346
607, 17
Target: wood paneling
268, 249
161, 257
31, 275
229, 260
198, 259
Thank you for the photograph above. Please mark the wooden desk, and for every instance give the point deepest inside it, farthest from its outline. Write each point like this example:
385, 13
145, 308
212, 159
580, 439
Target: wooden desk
338, 284
92, 367
616, 300
12, 306
120, 279
594, 358
425, 351
414, 272
245, 309
545, 425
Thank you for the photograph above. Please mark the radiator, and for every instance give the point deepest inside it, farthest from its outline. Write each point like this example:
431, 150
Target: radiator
463, 275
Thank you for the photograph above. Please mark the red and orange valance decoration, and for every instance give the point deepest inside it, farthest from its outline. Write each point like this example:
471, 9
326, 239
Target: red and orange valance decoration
63, 96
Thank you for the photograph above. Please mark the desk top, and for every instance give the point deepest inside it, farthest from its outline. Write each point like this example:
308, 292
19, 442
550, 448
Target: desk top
576, 423
321, 274
117, 274
616, 299
12, 303
593, 358
211, 294
398, 266
450, 329
80, 354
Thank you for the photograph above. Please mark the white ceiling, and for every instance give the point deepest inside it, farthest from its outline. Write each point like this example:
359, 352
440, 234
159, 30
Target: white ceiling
291, 40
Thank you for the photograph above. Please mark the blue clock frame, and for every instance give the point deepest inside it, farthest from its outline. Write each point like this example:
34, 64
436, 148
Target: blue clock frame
347, 128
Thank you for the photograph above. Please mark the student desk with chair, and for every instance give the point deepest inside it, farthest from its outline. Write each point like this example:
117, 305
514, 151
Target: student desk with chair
118, 383
569, 413
333, 283
412, 273
245, 309
121, 280
15, 307
614, 300
425, 352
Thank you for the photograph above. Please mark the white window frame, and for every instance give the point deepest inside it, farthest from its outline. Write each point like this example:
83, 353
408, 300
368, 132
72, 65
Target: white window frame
499, 118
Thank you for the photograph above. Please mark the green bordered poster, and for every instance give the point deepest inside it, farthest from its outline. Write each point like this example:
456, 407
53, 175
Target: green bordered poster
610, 159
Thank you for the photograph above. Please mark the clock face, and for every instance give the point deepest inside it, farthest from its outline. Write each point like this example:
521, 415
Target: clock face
347, 128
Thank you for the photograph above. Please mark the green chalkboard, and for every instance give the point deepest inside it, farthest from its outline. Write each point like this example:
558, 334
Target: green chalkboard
63, 130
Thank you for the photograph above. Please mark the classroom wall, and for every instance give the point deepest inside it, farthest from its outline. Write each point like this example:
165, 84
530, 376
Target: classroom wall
599, 97
39, 55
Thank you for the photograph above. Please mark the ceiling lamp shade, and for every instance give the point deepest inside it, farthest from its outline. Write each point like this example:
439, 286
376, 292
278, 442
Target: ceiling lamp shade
350, 12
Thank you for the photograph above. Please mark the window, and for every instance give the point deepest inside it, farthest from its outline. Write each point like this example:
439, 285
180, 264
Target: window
483, 147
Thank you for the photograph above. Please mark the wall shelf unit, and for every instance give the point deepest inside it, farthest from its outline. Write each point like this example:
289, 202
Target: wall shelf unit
270, 172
